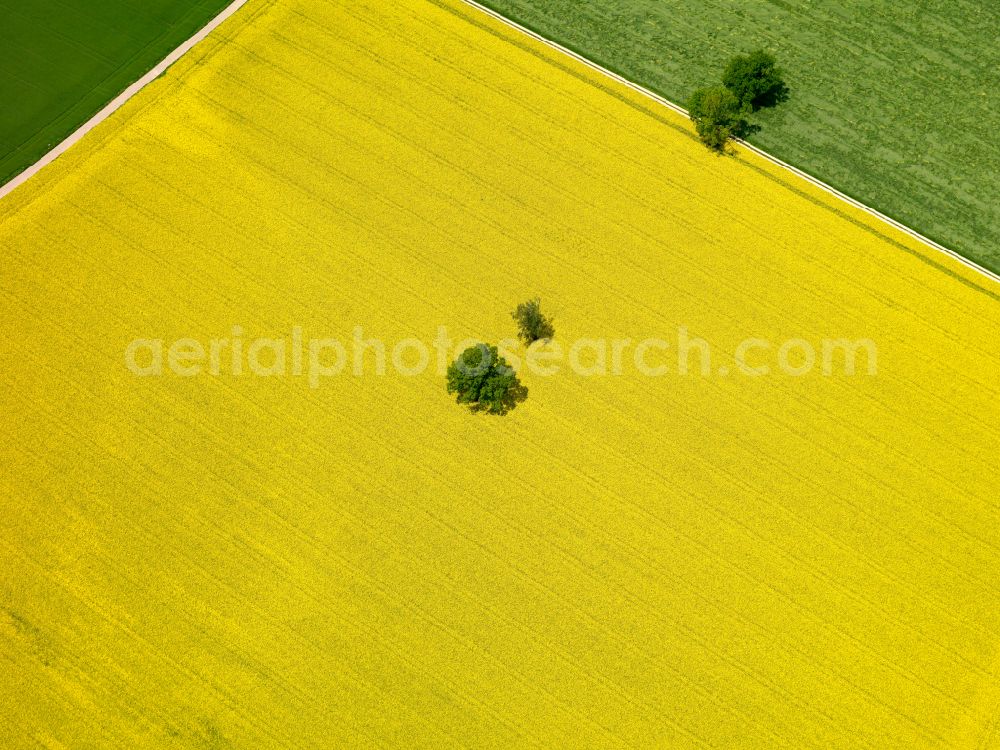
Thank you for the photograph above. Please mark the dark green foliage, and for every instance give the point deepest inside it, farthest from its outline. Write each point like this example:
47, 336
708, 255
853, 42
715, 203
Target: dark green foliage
718, 116
531, 324
481, 378
749, 82
755, 80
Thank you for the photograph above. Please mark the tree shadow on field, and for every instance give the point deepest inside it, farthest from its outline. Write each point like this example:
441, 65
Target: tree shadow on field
518, 394
209, 736
777, 94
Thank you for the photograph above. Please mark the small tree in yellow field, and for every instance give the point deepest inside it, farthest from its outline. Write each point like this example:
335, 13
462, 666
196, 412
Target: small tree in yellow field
481, 378
531, 324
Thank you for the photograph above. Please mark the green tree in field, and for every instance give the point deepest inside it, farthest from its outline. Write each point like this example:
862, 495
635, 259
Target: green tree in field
755, 80
481, 378
531, 324
718, 116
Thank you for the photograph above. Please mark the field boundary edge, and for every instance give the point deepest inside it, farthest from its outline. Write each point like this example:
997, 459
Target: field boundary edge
119, 101
677, 109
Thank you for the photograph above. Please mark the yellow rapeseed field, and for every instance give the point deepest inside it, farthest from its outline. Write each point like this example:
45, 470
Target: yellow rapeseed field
712, 560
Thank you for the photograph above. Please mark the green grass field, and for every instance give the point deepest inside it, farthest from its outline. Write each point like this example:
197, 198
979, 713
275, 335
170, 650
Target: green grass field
893, 102
61, 62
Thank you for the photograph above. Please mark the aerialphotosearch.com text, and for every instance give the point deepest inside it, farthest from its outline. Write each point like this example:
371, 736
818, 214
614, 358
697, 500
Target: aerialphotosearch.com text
316, 359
